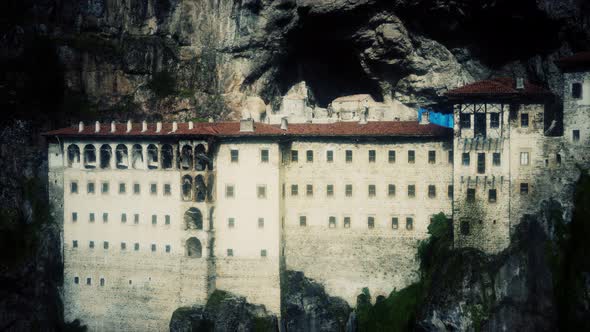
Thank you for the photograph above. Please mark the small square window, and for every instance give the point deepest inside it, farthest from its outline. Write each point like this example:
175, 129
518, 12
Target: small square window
411, 190
432, 157
231, 222
302, 221
260, 222
451, 157
576, 135
348, 190
332, 222
136, 189
524, 120
294, 156
264, 156
348, 156
450, 191
411, 156
229, 191
372, 190
105, 245
329, 156
394, 223
494, 120
167, 219
309, 190
391, 156
105, 217
136, 218
309, 156
91, 244
263, 253
496, 160
330, 190
234, 156
153, 189
524, 188
524, 158
74, 187
471, 195
168, 248
153, 247
230, 252
76, 280
88, 281
123, 246
91, 217
75, 244
154, 219
371, 222
372, 156
261, 191
465, 120
136, 246
409, 223
492, 196
465, 158
576, 90
74, 216
346, 222
294, 190
391, 190
167, 189
104, 188
122, 188
431, 191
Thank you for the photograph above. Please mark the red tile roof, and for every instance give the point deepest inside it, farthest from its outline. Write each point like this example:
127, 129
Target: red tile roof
232, 129
578, 60
498, 87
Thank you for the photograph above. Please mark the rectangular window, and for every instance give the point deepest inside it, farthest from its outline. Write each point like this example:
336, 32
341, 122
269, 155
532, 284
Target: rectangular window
91, 217
136, 247
309, 190
101, 281
104, 188
229, 191
294, 156
74, 187
394, 223
481, 163
431, 191
576, 90
411, 156
230, 253
153, 188
524, 158
450, 158
332, 222
231, 222
122, 188
309, 156
558, 158
411, 191
153, 247
261, 191
496, 161
234, 156
470, 195
136, 189
432, 157
302, 221
492, 195
154, 219
168, 248
123, 245
167, 189
348, 156
329, 156
524, 188
88, 281
371, 222
264, 156
263, 253
465, 120
372, 156
450, 191
76, 280
346, 222
330, 190
348, 190
74, 216
391, 156
524, 120
294, 190
260, 222
105, 245
576, 135
391, 190
91, 244
75, 244
494, 120
409, 223
465, 158
136, 218
372, 190
105, 217
167, 219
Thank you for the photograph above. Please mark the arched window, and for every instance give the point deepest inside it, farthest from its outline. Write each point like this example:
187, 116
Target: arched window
106, 154
152, 156
137, 156
187, 187
201, 158
122, 155
89, 156
167, 156
201, 188
193, 219
73, 155
194, 248
186, 157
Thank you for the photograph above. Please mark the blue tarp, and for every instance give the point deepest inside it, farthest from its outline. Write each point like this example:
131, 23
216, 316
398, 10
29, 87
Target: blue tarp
441, 119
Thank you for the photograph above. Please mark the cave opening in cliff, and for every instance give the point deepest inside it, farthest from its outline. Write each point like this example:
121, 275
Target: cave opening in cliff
321, 52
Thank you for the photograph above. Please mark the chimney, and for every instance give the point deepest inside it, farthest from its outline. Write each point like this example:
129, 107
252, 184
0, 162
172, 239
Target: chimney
191, 125
284, 124
97, 126
80, 126
519, 83
174, 126
113, 126
211, 119
129, 125
363, 118
158, 126
143, 126
425, 118
247, 125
